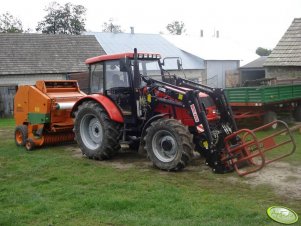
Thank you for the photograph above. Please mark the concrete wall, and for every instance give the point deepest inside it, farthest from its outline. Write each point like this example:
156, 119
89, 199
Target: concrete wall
283, 72
216, 71
28, 79
195, 75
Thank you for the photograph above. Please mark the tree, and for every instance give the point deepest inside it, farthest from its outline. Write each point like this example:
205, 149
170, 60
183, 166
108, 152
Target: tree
263, 52
67, 19
176, 27
111, 27
10, 24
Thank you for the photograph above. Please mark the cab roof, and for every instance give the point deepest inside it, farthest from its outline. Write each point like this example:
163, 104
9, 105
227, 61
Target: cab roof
141, 55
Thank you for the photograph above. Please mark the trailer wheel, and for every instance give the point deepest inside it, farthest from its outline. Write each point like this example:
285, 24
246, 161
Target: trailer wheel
270, 116
96, 134
21, 135
169, 144
297, 113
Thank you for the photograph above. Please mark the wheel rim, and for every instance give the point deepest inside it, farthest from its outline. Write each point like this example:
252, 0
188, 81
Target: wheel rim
19, 137
165, 146
91, 131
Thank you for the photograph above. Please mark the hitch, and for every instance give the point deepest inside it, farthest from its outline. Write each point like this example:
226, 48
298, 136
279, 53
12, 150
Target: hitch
250, 153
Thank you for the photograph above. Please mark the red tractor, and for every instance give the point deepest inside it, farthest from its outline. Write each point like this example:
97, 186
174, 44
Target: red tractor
134, 102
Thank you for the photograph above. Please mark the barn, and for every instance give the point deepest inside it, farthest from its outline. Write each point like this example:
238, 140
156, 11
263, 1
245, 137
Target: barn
285, 60
26, 58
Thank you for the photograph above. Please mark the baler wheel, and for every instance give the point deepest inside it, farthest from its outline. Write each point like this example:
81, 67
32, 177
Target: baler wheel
169, 144
21, 135
96, 134
29, 145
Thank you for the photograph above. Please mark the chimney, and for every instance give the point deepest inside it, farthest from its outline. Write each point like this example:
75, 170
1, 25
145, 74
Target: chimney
132, 30
202, 33
217, 34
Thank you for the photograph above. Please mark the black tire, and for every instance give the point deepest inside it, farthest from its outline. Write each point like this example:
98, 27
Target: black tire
96, 134
169, 144
297, 113
21, 134
269, 117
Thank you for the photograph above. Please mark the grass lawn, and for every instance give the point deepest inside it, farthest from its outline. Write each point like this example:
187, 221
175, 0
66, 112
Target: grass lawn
51, 186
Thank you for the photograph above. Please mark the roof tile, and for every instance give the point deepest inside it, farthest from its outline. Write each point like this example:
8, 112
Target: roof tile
41, 53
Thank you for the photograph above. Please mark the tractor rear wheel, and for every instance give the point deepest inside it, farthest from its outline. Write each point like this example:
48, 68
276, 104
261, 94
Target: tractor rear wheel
169, 144
96, 134
21, 134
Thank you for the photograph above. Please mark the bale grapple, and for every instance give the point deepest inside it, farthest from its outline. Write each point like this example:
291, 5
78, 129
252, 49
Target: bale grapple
42, 113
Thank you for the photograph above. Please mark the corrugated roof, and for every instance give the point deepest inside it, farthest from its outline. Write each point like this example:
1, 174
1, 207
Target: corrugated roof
258, 63
212, 48
41, 53
124, 42
288, 50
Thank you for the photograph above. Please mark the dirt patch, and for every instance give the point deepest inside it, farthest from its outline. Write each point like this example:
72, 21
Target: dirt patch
284, 178
123, 160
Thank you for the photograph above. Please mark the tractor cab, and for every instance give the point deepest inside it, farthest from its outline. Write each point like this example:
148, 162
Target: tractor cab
114, 77
120, 78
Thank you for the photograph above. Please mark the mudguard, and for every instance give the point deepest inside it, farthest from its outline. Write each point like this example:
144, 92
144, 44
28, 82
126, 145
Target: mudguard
110, 107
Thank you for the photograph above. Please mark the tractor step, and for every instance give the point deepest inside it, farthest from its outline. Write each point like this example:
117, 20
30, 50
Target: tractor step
250, 154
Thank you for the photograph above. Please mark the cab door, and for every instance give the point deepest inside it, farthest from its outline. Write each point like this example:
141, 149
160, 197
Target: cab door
117, 86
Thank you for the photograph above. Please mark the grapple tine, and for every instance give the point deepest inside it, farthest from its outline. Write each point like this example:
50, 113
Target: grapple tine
249, 154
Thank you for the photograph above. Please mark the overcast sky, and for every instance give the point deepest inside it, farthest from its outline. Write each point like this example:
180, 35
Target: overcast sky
253, 23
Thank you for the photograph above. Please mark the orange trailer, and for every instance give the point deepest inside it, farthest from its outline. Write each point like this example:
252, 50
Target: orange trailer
42, 112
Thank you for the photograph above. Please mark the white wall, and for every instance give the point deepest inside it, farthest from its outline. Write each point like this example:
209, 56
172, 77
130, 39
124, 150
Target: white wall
216, 71
28, 79
190, 74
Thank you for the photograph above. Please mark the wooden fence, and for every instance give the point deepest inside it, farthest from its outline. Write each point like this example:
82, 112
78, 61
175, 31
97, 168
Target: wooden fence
7, 94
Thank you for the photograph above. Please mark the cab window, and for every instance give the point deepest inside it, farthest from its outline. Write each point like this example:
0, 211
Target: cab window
97, 78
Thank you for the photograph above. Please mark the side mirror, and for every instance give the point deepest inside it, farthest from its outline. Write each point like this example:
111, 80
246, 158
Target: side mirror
179, 62
124, 64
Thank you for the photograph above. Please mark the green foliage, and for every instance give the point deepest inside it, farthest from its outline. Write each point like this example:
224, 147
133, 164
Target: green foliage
111, 27
263, 52
67, 19
176, 27
10, 24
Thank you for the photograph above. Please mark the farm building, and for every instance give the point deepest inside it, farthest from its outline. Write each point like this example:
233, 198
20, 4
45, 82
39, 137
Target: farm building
285, 60
253, 70
222, 57
126, 42
26, 58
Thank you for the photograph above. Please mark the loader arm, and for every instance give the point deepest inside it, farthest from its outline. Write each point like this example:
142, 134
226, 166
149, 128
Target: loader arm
188, 98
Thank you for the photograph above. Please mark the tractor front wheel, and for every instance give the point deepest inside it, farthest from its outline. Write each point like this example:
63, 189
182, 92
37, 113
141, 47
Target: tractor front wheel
96, 134
169, 144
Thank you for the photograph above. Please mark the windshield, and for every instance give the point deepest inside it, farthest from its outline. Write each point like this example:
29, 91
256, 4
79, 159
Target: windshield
149, 68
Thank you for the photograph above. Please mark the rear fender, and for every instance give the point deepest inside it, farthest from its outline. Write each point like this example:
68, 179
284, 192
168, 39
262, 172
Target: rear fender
110, 107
